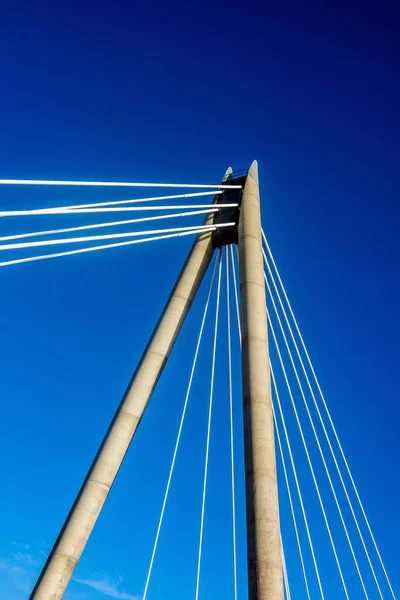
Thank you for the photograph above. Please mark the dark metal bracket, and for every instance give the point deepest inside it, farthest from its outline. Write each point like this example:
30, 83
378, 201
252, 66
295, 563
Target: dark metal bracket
229, 235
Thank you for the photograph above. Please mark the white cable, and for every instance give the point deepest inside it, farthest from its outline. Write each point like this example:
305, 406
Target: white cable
109, 224
56, 211
236, 295
136, 200
318, 442
291, 461
178, 438
283, 462
95, 248
208, 430
228, 308
285, 575
336, 437
288, 487
327, 438
309, 460
110, 236
221, 186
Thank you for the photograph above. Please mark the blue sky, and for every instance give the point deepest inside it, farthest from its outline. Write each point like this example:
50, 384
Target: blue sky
153, 92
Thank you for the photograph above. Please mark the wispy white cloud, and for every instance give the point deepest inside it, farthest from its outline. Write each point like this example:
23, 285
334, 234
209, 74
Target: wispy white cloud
20, 567
20, 545
75, 595
107, 587
22, 578
26, 559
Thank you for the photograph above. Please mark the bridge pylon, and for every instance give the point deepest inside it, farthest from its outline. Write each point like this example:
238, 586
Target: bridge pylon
262, 515
264, 557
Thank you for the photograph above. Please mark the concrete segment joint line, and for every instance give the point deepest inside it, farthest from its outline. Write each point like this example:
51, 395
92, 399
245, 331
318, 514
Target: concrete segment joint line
100, 483
251, 282
130, 414
262, 402
254, 337
184, 298
157, 353
253, 237
250, 472
251, 194
67, 557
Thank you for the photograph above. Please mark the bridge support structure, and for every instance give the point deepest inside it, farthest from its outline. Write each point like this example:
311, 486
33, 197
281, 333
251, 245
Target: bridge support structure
264, 556
263, 534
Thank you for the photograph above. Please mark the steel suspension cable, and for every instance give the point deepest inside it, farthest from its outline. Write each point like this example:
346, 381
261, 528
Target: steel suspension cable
308, 459
336, 437
108, 224
109, 236
82, 211
178, 438
228, 309
285, 575
208, 430
328, 441
235, 286
283, 462
133, 201
221, 186
280, 446
317, 441
102, 247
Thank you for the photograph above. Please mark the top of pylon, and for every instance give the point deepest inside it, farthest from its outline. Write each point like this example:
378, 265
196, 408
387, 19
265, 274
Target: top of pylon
227, 173
253, 171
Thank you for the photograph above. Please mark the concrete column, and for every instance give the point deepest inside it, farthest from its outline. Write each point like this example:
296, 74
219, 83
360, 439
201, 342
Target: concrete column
262, 515
78, 526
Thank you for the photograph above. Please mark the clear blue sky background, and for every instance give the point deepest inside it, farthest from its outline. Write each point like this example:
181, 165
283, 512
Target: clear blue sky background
153, 91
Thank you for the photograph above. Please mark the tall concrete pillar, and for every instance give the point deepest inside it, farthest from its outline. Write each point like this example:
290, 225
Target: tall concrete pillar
78, 526
262, 515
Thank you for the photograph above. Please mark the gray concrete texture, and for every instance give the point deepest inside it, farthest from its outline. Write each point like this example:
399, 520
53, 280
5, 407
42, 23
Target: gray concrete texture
262, 513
